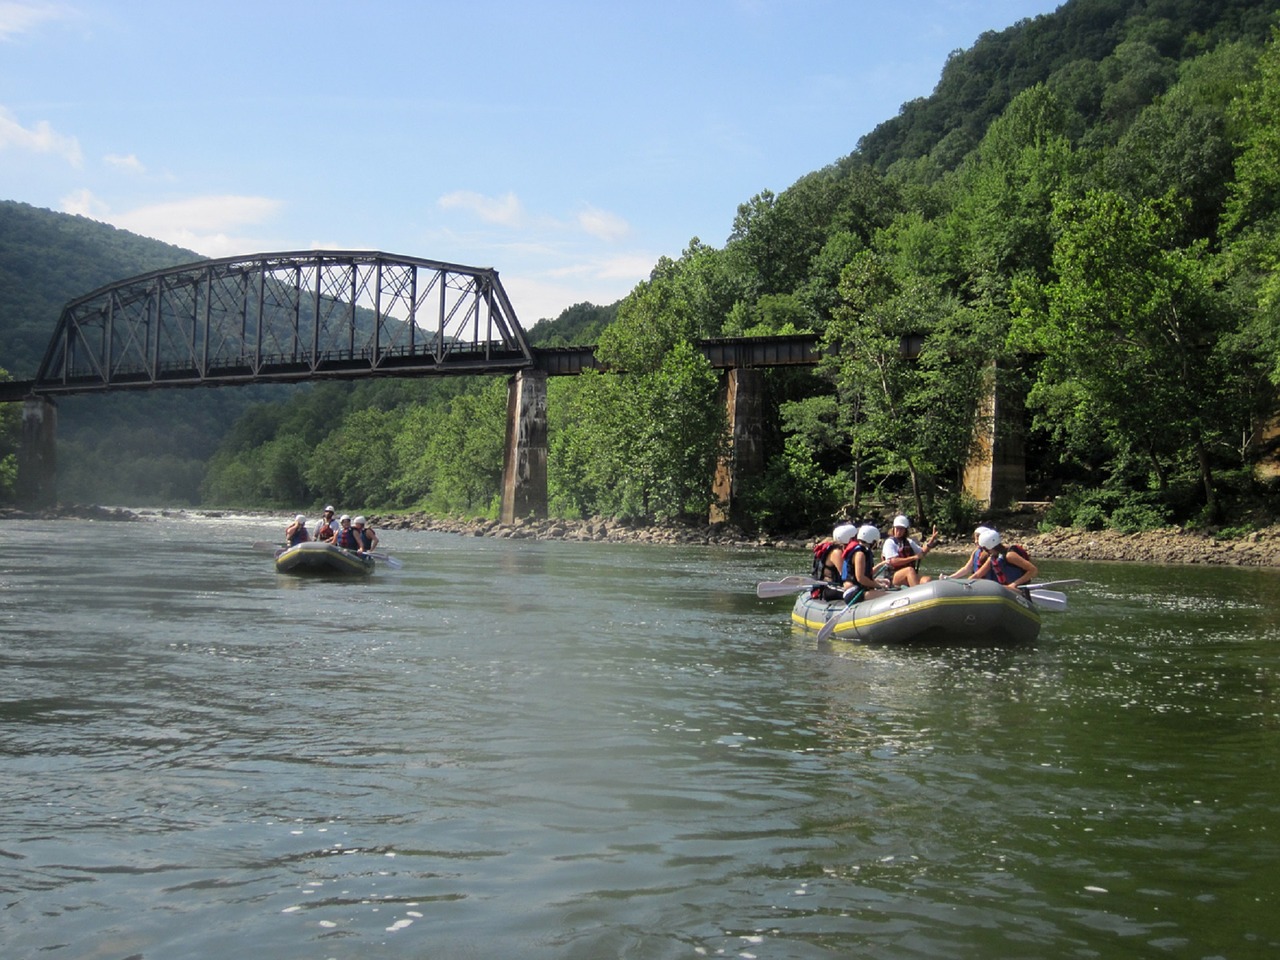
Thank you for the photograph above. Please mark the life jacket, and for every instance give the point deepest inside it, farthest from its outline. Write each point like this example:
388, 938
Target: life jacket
823, 569
846, 560
1004, 571
299, 535
905, 549
324, 531
347, 539
848, 572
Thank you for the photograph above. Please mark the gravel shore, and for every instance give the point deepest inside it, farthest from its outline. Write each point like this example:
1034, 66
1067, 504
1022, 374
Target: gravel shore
1260, 548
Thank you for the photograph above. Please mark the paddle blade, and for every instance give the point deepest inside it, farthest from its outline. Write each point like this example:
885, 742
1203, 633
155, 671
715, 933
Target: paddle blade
778, 589
781, 588
390, 561
829, 626
1049, 599
795, 582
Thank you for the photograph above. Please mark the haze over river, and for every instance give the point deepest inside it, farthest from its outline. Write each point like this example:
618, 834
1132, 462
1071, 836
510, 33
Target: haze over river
517, 749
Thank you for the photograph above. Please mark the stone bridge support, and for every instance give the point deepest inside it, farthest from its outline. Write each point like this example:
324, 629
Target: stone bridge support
524, 462
744, 403
37, 456
996, 474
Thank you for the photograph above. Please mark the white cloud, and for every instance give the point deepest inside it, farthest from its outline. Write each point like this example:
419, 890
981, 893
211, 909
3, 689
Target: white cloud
41, 138
506, 210
202, 224
603, 225
16, 17
632, 268
85, 204
130, 162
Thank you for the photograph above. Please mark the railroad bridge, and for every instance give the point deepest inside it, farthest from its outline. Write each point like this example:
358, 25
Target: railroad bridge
329, 314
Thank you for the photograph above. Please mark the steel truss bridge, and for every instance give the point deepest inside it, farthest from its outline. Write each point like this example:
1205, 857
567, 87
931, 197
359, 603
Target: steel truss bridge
314, 315
284, 317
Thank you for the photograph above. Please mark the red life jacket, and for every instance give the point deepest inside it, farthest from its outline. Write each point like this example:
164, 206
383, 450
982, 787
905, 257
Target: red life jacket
1002, 569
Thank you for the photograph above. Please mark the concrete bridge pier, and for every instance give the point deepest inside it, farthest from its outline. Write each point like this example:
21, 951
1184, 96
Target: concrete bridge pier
37, 455
744, 403
524, 462
996, 474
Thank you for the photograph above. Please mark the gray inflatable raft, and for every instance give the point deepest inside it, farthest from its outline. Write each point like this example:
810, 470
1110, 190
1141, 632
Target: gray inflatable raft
965, 612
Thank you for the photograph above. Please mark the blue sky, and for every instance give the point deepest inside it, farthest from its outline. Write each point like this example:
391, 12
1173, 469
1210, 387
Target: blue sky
568, 144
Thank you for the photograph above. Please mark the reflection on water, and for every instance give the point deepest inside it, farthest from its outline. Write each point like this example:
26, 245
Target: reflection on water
582, 750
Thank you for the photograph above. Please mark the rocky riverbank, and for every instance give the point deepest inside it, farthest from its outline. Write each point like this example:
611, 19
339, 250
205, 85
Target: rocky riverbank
1260, 548
1172, 545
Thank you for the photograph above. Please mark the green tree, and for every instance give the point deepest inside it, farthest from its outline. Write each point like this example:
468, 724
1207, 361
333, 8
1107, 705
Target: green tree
356, 465
906, 414
1133, 331
1251, 220
683, 300
465, 448
638, 444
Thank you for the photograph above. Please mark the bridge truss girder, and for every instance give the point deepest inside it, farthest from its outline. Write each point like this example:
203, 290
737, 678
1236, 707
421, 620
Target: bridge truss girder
285, 317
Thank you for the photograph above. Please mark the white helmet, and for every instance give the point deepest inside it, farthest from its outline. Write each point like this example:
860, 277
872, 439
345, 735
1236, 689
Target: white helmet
358, 521
979, 531
299, 519
868, 534
844, 533
902, 520
988, 540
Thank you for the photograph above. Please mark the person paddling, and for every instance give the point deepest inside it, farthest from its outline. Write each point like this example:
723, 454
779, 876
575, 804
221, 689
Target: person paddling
368, 536
1008, 565
969, 569
346, 538
857, 566
828, 557
296, 532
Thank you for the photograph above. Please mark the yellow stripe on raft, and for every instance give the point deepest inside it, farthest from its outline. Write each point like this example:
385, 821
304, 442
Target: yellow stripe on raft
920, 606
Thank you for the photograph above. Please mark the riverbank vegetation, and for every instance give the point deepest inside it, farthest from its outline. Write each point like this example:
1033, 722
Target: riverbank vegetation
1084, 217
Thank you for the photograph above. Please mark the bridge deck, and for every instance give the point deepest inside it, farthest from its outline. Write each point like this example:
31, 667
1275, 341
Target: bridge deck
723, 353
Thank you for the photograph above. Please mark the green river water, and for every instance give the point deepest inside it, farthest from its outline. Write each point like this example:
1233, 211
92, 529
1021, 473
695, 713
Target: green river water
564, 750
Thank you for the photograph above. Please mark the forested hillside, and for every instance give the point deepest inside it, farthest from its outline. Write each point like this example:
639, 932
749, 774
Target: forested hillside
49, 258
1087, 208
118, 448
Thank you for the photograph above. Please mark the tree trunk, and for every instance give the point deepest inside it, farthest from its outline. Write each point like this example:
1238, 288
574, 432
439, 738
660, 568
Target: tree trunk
915, 492
1161, 480
1206, 477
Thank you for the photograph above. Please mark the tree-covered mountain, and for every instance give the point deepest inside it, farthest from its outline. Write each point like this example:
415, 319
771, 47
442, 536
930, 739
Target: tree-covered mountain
578, 325
1104, 58
47, 259
113, 448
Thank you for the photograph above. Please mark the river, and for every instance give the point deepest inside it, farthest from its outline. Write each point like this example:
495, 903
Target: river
584, 750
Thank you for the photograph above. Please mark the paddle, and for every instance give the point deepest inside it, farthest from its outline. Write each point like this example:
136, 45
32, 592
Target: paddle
264, 545
1049, 599
391, 562
780, 588
1051, 583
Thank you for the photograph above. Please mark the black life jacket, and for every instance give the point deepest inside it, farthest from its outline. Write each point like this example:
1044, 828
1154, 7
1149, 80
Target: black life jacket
823, 569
